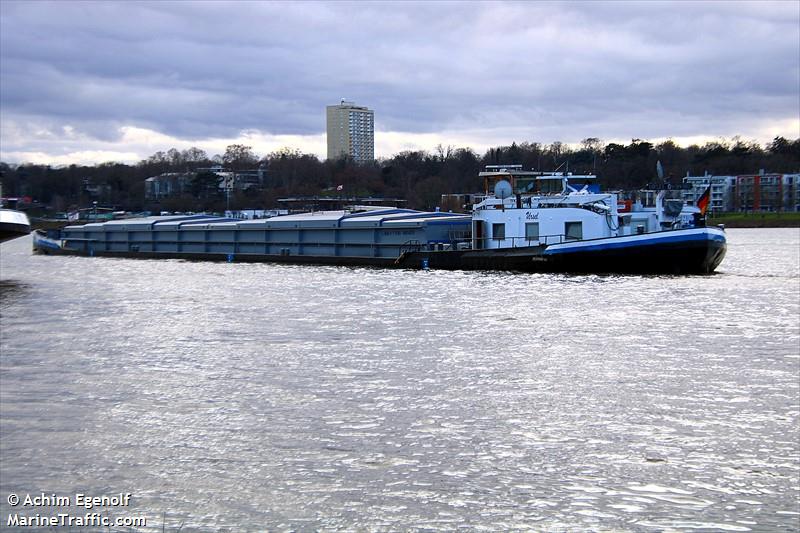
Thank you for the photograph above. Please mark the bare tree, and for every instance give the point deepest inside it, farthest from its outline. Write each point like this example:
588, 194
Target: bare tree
238, 156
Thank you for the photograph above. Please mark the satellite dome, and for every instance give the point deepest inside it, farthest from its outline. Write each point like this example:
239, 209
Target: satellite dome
502, 189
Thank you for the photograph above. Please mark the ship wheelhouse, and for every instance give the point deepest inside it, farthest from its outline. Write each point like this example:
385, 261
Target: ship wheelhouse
537, 209
517, 208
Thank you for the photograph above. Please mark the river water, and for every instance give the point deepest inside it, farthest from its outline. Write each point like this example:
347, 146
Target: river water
252, 397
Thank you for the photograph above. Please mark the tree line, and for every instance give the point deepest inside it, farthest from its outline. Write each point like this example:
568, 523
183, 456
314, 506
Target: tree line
419, 177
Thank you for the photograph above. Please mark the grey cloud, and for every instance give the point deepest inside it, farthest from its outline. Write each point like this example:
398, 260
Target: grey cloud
213, 69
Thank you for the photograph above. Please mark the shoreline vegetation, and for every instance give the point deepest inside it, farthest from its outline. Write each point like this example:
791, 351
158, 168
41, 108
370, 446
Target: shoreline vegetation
190, 180
785, 219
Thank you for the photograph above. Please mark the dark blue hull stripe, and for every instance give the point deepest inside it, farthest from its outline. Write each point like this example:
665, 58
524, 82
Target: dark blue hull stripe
635, 243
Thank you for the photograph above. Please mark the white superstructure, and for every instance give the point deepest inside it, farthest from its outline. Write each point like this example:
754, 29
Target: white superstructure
538, 209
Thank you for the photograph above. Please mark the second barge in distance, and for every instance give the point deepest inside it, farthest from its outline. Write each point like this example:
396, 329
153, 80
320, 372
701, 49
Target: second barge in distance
528, 221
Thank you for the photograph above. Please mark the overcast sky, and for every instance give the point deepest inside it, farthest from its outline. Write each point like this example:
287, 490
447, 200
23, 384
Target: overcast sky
84, 82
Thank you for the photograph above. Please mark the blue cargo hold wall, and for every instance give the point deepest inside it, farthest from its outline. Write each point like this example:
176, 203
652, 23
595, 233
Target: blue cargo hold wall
383, 233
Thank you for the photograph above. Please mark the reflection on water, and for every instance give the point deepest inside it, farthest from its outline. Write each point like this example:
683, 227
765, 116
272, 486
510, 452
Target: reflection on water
249, 397
11, 291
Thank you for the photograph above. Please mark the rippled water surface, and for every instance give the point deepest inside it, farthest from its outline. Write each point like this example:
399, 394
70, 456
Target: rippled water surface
245, 397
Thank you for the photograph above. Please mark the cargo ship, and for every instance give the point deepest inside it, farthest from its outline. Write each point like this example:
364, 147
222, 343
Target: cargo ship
525, 220
13, 224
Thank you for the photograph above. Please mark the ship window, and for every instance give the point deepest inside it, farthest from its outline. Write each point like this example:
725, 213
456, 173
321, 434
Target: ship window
532, 231
498, 231
573, 230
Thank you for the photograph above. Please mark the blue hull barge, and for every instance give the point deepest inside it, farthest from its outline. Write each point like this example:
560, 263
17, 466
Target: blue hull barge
533, 222
368, 236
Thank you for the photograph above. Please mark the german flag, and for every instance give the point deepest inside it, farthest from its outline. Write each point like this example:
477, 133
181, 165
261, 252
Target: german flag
704, 200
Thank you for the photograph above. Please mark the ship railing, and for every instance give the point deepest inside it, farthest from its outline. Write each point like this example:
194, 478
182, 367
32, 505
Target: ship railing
521, 242
410, 246
376, 249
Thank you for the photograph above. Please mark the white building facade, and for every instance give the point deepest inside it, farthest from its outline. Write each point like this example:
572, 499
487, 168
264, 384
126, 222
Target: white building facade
351, 132
744, 193
722, 191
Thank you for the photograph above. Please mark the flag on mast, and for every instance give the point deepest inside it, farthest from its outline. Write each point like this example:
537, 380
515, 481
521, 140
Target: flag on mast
704, 200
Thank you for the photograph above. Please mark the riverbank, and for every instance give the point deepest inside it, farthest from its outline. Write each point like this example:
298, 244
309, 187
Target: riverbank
758, 220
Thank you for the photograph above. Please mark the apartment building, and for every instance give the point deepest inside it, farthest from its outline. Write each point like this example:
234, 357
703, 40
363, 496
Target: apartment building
767, 192
351, 132
751, 192
722, 188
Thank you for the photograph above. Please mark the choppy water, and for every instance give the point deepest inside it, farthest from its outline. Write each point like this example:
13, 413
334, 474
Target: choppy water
246, 397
